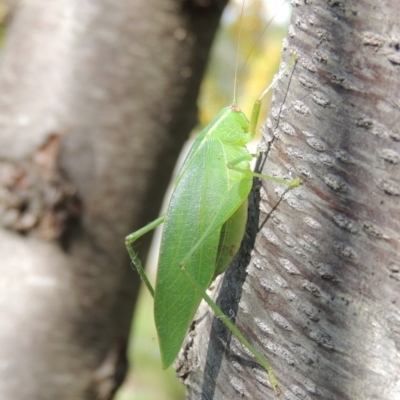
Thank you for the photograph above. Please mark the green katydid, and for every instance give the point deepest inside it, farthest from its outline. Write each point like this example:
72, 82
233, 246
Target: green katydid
203, 227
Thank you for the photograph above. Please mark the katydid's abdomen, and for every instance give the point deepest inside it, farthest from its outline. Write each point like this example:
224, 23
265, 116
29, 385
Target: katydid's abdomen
231, 236
204, 225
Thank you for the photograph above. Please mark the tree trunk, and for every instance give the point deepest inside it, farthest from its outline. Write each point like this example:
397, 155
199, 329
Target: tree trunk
96, 100
320, 295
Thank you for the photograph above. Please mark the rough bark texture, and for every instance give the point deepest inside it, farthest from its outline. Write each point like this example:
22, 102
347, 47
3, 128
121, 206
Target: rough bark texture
96, 99
320, 296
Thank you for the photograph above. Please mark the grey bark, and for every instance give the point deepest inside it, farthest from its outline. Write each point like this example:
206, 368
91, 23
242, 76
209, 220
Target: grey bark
96, 99
320, 296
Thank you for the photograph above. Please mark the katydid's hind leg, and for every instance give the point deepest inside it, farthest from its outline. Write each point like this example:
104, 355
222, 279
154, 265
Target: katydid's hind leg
130, 239
235, 331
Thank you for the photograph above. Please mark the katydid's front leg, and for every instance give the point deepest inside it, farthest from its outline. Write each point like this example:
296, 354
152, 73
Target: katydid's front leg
252, 131
257, 105
251, 174
130, 239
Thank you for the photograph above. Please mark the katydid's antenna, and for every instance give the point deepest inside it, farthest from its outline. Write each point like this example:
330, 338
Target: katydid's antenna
262, 33
235, 82
236, 78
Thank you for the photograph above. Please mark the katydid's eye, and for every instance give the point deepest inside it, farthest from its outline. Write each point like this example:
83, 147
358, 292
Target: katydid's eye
236, 108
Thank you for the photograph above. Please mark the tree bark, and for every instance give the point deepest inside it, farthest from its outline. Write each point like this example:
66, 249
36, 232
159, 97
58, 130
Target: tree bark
96, 100
320, 295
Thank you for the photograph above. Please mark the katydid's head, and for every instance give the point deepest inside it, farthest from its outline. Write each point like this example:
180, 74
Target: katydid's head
239, 116
232, 126
233, 114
